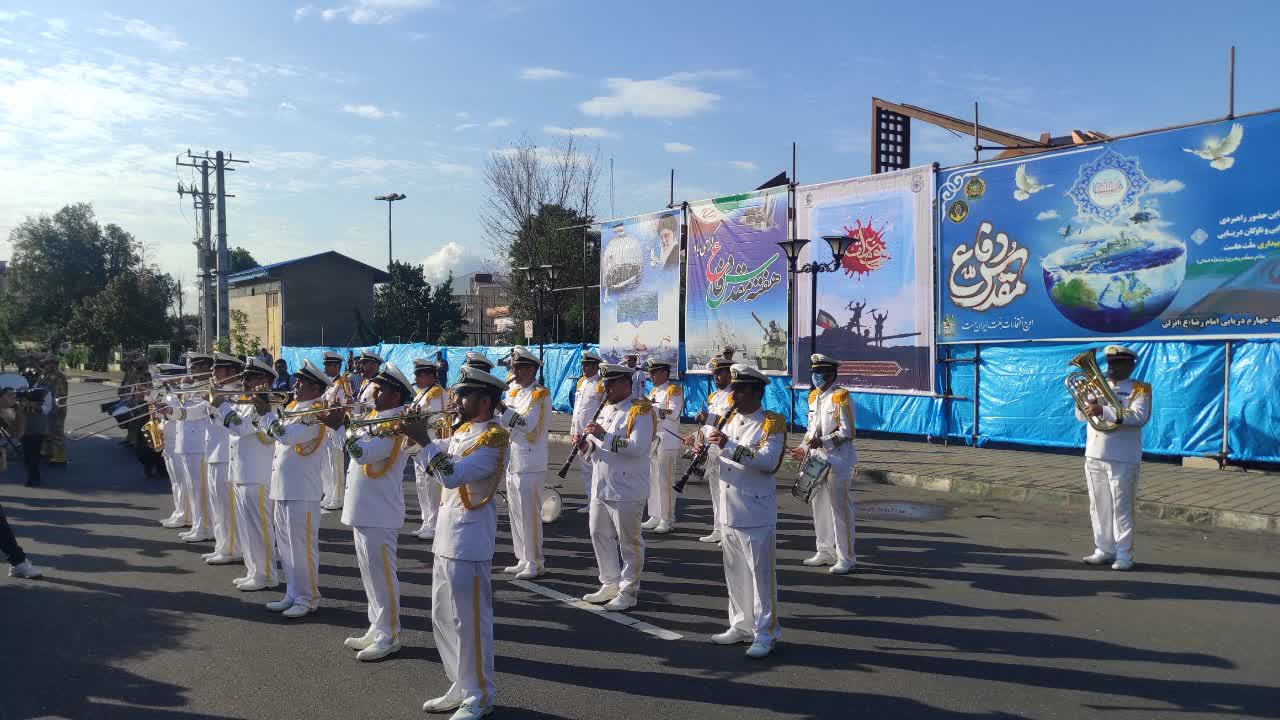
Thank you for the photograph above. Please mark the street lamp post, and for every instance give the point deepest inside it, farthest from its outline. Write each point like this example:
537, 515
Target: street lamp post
540, 278
839, 245
390, 198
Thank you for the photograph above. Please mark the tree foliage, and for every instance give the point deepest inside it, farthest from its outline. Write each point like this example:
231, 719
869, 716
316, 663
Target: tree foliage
242, 260
554, 236
128, 311
408, 309
238, 341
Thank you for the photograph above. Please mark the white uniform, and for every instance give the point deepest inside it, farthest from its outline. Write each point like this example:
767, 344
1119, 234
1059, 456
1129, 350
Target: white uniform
589, 395
1111, 464
668, 403
619, 488
749, 520
831, 421
638, 382
461, 591
374, 510
526, 417
191, 427
222, 499
718, 403
252, 454
177, 484
430, 400
297, 472
339, 393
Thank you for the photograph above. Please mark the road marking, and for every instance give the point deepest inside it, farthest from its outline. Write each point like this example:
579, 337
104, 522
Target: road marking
619, 618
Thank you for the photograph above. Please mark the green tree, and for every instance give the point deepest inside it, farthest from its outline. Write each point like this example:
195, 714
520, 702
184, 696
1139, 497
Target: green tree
445, 321
242, 260
57, 262
128, 311
554, 236
408, 309
238, 341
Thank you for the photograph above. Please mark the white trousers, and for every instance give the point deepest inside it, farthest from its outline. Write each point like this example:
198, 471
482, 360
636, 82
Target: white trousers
713, 485
1112, 489
222, 508
752, 580
662, 497
429, 493
178, 487
257, 533
376, 554
833, 514
616, 539
298, 537
462, 625
192, 469
586, 469
334, 475
524, 510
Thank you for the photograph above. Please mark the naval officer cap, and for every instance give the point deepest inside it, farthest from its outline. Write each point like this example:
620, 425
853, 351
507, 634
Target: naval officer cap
742, 375
1119, 352
332, 357
612, 371
818, 360
655, 364
521, 355
367, 355
309, 371
390, 376
473, 378
225, 360
718, 363
478, 361
423, 364
591, 356
169, 369
197, 357
256, 365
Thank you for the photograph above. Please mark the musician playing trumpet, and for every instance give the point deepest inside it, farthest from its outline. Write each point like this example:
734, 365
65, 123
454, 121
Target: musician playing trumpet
430, 398
1113, 457
587, 399
830, 437
751, 445
374, 510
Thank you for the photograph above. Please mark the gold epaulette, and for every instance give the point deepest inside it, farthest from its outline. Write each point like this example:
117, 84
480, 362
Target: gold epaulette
540, 392
495, 437
434, 391
840, 397
774, 423
813, 395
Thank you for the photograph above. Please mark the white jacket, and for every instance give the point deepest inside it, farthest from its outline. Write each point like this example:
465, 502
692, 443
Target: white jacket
1124, 444
432, 399
191, 430
717, 405
526, 418
621, 459
375, 478
668, 403
476, 455
298, 465
831, 421
252, 450
748, 462
589, 395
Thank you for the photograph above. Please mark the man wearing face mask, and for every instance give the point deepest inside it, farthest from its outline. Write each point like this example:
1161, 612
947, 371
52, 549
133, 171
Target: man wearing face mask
830, 437
1112, 460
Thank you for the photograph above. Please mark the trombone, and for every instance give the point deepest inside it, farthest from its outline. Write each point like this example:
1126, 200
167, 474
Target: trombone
240, 396
322, 408
93, 396
396, 423
130, 414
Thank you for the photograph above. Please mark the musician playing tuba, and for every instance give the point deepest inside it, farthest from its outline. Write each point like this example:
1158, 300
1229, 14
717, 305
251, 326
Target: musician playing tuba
1113, 454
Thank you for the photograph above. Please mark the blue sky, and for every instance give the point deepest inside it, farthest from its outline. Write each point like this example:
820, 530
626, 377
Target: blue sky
337, 102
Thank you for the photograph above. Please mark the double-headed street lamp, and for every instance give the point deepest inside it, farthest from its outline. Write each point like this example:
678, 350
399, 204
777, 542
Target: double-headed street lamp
541, 279
390, 199
839, 245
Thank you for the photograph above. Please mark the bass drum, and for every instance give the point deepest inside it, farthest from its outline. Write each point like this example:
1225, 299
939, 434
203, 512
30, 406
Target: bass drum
552, 505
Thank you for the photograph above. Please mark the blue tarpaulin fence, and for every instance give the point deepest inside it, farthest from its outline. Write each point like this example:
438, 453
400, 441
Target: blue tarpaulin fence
1020, 396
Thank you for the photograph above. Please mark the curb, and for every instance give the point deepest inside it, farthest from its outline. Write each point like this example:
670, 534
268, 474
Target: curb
981, 489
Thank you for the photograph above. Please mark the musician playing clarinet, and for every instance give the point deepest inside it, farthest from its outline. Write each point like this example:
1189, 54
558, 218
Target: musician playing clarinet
589, 395
830, 437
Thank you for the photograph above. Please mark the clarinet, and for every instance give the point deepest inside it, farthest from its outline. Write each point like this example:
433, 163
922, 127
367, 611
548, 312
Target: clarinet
695, 467
573, 455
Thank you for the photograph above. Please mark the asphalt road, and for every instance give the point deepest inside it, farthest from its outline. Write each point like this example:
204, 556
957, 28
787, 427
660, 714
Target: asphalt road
984, 612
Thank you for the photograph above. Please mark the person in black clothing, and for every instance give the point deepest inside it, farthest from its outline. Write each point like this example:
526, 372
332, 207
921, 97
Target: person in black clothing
19, 565
35, 404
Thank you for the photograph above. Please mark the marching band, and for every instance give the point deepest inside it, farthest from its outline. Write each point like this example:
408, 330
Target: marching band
253, 470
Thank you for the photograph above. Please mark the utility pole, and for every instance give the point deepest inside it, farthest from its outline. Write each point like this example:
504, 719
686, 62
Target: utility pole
214, 311
202, 203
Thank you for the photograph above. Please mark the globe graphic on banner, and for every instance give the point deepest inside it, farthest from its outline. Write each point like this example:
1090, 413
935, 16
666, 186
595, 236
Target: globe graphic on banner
1114, 285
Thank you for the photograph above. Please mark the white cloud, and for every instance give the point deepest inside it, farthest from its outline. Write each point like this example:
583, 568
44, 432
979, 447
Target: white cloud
162, 37
465, 126
418, 36
743, 164
594, 133
1165, 186
1047, 215
453, 257
675, 147
287, 106
500, 122
463, 115
542, 73
370, 112
369, 12
673, 96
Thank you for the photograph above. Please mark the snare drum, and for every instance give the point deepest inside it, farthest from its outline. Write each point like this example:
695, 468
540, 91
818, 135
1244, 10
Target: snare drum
813, 473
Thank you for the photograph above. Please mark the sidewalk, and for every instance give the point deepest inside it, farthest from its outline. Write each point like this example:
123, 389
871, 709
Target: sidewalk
1168, 491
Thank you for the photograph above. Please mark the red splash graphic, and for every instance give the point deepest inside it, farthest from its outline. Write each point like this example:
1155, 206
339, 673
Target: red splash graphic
867, 252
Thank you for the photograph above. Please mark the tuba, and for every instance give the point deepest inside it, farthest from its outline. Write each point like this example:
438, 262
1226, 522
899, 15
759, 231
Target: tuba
1090, 385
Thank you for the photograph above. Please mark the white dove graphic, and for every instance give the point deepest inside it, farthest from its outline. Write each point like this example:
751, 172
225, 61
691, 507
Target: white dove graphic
1026, 185
1218, 150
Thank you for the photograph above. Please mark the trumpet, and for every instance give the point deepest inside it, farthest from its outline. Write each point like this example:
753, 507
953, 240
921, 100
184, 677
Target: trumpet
395, 425
318, 409
239, 396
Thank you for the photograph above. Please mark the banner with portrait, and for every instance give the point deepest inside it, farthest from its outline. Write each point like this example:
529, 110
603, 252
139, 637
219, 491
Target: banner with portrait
1174, 234
640, 287
736, 280
874, 310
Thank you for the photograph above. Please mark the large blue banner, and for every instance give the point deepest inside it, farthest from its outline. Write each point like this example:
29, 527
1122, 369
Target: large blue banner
736, 281
640, 287
1171, 234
